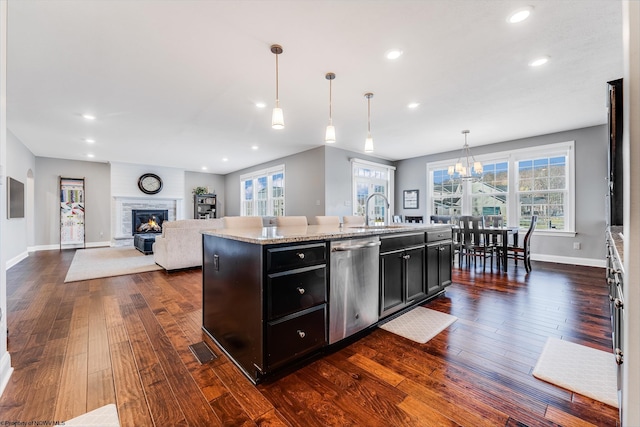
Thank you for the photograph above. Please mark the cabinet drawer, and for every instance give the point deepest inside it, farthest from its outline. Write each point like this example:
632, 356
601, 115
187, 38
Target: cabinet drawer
293, 337
393, 243
288, 257
296, 290
434, 236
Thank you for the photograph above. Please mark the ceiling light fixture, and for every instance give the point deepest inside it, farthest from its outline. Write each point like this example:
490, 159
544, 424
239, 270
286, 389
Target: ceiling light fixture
330, 134
254, 147
89, 117
260, 105
519, 15
89, 141
277, 118
368, 143
466, 167
393, 54
413, 105
90, 155
539, 61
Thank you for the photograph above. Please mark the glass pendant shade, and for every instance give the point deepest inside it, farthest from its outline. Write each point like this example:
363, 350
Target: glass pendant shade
330, 134
451, 170
477, 166
368, 144
277, 118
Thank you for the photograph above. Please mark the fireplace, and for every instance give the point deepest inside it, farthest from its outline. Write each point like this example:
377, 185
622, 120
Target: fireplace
148, 221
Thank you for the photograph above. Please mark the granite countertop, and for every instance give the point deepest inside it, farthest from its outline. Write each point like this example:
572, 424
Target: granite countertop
277, 235
618, 241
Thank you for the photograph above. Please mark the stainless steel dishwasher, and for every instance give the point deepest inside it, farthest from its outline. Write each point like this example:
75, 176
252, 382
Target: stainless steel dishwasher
353, 286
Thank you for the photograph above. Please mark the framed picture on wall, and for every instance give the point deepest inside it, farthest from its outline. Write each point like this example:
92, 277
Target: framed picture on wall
410, 199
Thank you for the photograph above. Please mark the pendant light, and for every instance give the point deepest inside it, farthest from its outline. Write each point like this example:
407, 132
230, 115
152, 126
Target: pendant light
330, 134
368, 143
277, 118
467, 167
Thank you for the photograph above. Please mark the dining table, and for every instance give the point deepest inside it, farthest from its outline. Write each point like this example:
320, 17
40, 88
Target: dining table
504, 232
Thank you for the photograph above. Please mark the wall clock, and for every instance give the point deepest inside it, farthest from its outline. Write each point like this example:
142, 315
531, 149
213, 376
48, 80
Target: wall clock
150, 183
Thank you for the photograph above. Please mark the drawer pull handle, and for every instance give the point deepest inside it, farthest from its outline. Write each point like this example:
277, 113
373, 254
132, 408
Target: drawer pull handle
300, 290
301, 334
618, 303
619, 356
300, 255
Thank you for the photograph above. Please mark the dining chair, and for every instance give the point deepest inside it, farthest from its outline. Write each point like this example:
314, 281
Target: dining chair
524, 252
474, 242
242, 222
289, 221
353, 220
327, 220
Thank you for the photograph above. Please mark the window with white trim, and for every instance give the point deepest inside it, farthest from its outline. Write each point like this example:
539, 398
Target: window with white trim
262, 192
516, 184
369, 178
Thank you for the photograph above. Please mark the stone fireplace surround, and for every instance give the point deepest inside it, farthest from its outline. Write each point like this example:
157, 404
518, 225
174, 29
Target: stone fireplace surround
122, 207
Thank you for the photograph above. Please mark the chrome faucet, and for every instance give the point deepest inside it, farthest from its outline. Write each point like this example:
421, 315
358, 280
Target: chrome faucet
366, 208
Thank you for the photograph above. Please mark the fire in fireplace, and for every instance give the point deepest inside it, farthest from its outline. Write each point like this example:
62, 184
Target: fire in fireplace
147, 221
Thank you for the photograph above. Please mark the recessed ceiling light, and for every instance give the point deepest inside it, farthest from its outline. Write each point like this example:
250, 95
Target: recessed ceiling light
90, 141
90, 155
204, 168
519, 15
413, 105
393, 54
224, 159
260, 104
539, 61
254, 147
89, 116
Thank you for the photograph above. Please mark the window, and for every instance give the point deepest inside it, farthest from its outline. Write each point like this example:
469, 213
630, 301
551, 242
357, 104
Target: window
490, 194
516, 184
262, 192
369, 178
542, 191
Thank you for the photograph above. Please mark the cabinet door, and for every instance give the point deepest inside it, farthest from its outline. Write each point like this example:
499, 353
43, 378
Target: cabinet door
415, 274
392, 289
445, 260
433, 269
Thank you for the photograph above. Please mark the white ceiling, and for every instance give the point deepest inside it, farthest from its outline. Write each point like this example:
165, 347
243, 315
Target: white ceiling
174, 83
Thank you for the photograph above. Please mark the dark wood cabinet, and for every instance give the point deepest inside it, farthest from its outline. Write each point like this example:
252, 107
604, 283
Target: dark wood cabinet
402, 272
438, 258
265, 305
204, 206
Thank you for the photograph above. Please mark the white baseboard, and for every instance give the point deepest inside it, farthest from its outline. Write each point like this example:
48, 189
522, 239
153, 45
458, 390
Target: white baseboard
588, 262
13, 261
57, 246
5, 371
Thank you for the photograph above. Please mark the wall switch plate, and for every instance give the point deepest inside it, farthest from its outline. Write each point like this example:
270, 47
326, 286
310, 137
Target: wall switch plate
576, 245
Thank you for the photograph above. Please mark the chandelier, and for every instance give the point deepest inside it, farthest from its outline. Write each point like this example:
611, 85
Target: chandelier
466, 167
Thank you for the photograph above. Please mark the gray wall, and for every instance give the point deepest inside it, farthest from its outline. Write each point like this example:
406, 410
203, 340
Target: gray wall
199, 179
47, 195
304, 184
591, 172
16, 234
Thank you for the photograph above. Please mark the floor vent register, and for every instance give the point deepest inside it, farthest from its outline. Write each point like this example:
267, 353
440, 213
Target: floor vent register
202, 352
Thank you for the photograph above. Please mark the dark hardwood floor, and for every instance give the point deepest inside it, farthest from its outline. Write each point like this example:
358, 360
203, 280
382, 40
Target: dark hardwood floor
124, 340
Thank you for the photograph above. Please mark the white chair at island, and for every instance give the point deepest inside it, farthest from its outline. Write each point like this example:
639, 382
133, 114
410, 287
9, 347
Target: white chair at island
353, 220
242, 222
327, 220
291, 221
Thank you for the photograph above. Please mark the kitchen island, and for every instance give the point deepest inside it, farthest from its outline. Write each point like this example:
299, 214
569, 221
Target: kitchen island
274, 296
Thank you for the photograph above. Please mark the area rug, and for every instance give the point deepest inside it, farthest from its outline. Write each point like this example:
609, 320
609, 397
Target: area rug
420, 324
106, 262
579, 368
